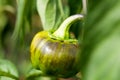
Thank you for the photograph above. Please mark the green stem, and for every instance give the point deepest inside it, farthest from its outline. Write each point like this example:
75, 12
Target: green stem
63, 31
61, 7
84, 2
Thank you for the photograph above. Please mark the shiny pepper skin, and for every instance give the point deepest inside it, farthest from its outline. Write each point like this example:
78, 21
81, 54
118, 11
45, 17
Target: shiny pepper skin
54, 57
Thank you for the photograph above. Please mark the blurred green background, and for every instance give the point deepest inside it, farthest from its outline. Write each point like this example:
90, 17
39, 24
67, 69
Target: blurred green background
16, 49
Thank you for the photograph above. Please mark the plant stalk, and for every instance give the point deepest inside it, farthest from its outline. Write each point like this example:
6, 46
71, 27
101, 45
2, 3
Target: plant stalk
63, 31
84, 2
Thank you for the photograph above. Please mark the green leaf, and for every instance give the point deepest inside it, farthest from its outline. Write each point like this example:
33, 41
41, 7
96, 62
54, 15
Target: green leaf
35, 74
101, 52
8, 69
23, 21
52, 13
5, 78
77, 8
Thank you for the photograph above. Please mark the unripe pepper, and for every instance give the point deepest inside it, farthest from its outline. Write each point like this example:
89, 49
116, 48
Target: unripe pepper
56, 54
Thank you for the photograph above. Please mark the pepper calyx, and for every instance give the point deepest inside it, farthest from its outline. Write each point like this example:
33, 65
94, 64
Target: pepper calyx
63, 40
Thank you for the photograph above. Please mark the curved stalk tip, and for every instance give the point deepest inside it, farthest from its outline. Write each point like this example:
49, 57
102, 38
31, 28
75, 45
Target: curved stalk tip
63, 31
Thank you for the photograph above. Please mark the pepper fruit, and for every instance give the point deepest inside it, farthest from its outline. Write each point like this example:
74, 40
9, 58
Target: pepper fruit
56, 53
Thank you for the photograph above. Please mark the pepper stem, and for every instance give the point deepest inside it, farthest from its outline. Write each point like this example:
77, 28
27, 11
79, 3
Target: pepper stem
63, 31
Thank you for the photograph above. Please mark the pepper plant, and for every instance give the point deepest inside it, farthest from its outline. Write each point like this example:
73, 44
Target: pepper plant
59, 40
